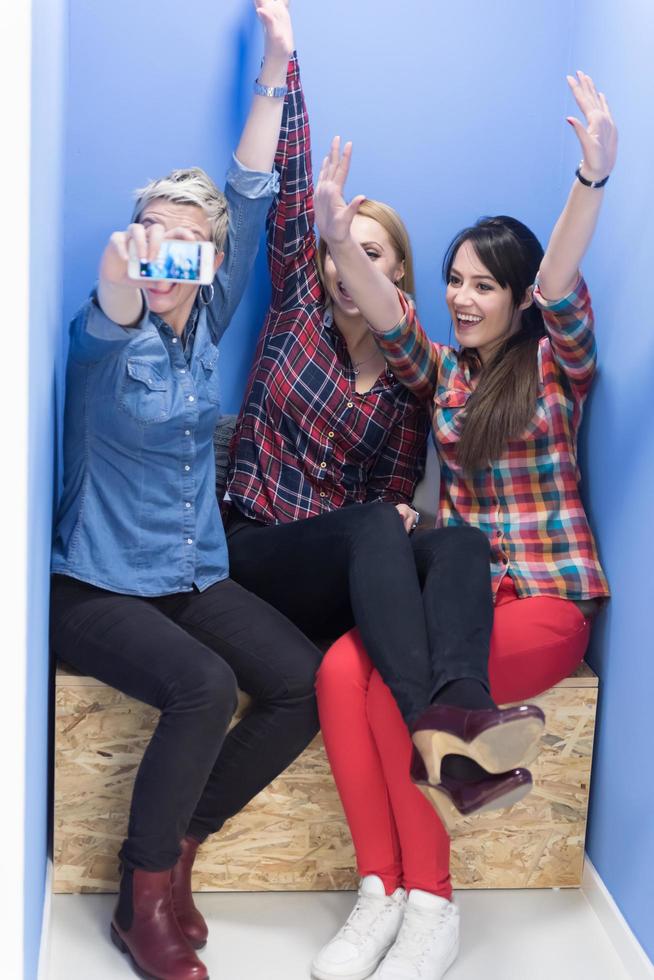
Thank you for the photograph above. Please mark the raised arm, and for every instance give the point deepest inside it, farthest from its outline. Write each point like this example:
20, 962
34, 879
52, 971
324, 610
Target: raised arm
574, 230
375, 295
251, 180
250, 189
258, 143
290, 236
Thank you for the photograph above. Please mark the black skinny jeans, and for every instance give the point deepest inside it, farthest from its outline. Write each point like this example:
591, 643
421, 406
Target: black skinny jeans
185, 654
422, 602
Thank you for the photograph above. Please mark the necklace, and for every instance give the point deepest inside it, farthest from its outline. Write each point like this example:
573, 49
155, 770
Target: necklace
356, 365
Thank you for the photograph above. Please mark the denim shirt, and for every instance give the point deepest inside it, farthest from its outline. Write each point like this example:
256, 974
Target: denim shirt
138, 514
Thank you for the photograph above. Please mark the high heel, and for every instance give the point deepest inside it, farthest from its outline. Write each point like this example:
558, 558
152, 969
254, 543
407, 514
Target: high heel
454, 799
497, 739
190, 919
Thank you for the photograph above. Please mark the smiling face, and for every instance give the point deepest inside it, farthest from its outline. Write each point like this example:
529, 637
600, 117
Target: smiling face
377, 244
482, 311
173, 301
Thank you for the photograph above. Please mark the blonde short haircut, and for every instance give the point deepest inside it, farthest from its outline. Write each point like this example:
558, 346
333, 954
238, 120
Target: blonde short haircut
192, 186
396, 230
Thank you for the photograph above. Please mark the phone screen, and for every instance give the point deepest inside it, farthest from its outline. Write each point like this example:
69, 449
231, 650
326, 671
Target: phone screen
176, 260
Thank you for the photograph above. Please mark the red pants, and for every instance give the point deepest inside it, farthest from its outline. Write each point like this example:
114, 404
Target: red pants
536, 642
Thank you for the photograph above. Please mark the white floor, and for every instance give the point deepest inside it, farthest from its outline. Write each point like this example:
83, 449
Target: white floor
506, 935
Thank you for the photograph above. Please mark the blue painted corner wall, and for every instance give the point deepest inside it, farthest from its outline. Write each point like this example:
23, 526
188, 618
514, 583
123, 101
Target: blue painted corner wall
455, 111
618, 462
48, 125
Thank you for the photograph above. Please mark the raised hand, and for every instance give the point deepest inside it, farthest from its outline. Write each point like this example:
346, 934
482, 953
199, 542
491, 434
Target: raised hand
599, 138
333, 215
146, 242
278, 29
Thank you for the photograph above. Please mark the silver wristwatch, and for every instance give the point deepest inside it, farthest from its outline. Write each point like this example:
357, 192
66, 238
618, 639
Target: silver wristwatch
270, 91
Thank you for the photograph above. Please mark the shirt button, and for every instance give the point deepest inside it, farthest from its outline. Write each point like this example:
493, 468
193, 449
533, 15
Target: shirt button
189, 540
187, 432
322, 493
174, 340
191, 398
330, 435
350, 404
323, 466
187, 467
182, 370
187, 504
505, 561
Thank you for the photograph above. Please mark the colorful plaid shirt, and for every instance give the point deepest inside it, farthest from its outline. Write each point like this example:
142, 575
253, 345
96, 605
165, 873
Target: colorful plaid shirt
528, 501
306, 441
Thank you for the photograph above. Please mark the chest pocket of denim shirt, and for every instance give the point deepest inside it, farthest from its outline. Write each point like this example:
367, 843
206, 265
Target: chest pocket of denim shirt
145, 394
209, 362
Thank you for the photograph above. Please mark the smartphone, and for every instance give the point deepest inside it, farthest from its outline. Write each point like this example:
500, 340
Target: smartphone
178, 261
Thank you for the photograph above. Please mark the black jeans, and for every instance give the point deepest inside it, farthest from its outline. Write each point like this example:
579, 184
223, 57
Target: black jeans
185, 654
422, 603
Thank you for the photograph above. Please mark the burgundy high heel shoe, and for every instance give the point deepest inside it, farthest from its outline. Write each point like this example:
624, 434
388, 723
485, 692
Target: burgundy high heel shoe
497, 739
456, 798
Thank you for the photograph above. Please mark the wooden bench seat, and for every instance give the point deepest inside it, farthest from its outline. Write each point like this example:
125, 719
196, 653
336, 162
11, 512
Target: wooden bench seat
293, 836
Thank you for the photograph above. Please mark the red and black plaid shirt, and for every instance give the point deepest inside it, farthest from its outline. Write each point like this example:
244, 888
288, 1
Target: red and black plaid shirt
306, 441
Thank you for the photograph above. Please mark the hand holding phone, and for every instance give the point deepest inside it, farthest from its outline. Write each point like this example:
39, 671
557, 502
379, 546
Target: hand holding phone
176, 261
119, 292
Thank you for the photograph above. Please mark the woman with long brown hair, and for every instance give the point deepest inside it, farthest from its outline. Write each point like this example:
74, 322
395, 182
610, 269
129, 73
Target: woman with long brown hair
506, 410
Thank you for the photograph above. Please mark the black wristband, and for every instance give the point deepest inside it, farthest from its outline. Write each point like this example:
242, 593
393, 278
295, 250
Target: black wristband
590, 183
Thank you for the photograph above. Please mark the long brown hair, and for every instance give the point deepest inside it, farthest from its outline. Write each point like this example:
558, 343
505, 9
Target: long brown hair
396, 230
504, 400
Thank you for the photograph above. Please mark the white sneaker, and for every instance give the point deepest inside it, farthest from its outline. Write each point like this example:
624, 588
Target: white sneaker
427, 943
369, 932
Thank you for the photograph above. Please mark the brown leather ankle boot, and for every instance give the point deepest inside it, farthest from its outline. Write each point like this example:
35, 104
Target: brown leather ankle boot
190, 920
144, 926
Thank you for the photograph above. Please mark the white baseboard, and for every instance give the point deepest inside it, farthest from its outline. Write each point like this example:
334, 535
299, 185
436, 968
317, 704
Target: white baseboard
44, 948
634, 958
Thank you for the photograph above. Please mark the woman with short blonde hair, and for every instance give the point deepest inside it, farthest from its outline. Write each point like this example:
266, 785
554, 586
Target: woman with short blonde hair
141, 593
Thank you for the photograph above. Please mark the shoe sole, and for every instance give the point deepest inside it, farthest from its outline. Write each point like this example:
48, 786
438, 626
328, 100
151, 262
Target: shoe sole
509, 746
124, 948
319, 974
452, 957
452, 818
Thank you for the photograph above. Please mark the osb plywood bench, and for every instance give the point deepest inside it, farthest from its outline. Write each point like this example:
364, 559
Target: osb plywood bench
293, 836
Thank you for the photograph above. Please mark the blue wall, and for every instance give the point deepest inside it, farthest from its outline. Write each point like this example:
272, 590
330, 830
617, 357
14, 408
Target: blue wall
150, 90
619, 464
455, 111
424, 101
48, 79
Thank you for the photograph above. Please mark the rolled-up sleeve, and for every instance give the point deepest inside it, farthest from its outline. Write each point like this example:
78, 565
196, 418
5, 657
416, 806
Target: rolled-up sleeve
569, 325
252, 183
248, 193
